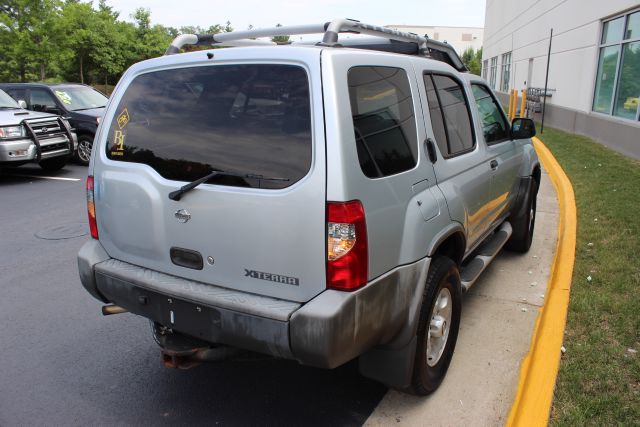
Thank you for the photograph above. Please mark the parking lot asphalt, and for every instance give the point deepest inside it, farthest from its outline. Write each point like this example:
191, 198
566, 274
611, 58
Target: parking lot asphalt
63, 363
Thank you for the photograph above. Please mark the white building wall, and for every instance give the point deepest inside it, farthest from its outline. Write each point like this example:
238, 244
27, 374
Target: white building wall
523, 27
452, 35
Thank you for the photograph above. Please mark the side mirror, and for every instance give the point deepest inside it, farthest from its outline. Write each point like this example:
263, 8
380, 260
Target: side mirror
22, 103
522, 128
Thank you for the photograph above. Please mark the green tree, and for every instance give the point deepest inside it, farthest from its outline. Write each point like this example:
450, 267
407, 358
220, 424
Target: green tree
280, 39
472, 59
27, 32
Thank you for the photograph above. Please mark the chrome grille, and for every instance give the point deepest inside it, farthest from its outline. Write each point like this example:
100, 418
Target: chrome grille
46, 129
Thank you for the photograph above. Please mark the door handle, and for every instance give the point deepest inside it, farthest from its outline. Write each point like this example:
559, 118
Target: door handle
431, 150
494, 164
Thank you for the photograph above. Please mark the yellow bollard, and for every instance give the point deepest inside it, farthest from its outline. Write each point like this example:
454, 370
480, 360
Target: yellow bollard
514, 105
510, 104
523, 102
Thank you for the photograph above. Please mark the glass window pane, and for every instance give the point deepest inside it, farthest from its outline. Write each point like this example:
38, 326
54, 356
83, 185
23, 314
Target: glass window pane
456, 113
249, 118
494, 125
506, 72
605, 79
435, 113
633, 27
492, 76
41, 100
383, 120
628, 95
612, 30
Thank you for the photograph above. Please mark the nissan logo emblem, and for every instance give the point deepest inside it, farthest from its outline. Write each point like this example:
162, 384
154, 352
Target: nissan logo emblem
182, 215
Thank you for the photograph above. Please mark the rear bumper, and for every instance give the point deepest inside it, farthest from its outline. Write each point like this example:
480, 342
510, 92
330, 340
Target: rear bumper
327, 331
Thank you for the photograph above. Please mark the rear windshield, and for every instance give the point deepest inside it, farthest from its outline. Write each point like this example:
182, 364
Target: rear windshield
245, 119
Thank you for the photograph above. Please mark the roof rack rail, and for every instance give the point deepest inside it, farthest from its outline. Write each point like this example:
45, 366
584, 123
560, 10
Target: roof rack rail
410, 43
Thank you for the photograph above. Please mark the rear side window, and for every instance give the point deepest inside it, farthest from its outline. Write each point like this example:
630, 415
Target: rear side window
383, 120
494, 125
450, 116
246, 119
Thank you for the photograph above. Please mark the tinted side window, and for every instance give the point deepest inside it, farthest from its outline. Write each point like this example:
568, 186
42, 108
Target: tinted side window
494, 126
454, 114
437, 119
17, 94
40, 100
383, 120
248, 119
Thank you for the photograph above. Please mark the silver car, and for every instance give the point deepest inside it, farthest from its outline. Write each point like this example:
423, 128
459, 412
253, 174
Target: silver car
315, 202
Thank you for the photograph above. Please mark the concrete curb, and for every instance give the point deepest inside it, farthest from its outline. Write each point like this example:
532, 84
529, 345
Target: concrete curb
539, 368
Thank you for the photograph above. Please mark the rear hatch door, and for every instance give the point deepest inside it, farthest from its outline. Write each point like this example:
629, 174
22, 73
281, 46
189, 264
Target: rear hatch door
259, 225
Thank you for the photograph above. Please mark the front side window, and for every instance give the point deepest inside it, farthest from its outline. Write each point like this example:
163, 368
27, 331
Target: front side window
383, 120
450, 116
41, 100
247, 119
494, 125
617, 89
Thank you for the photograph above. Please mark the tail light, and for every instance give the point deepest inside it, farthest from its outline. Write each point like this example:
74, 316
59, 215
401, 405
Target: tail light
347, 257
91, 208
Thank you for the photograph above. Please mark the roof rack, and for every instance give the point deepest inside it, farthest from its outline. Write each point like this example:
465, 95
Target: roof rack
394, 41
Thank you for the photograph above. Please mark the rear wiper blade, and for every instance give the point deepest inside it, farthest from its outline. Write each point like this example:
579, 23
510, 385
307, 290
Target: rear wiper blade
177, 194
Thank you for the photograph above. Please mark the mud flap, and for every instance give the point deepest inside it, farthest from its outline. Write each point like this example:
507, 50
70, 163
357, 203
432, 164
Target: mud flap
392, 367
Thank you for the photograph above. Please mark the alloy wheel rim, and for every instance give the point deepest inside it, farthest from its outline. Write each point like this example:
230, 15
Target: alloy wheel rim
84, 150
439, 326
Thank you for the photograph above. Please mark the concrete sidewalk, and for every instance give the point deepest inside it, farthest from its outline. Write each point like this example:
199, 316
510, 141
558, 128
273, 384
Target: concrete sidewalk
498, 319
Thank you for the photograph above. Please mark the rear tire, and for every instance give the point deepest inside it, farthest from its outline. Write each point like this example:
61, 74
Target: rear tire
438, 326
524, 225
54, 164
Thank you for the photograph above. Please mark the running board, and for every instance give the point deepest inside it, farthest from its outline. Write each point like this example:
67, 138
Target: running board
484, 255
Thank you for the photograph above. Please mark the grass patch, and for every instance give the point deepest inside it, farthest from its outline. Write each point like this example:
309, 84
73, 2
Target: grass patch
599, 378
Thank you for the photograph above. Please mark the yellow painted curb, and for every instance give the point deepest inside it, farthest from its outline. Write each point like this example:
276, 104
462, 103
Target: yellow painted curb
539, 368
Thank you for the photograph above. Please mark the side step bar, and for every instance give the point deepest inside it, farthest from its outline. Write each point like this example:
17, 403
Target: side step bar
484, 255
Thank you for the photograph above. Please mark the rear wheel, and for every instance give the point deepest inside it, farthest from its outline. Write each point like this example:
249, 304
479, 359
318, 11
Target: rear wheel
438, 326
524, 225
53, 164
83, 154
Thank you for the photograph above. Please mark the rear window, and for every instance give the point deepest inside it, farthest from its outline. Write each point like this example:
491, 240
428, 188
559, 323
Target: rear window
245, 119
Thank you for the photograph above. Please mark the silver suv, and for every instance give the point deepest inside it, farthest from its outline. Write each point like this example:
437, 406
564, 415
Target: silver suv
27, 136
317, 201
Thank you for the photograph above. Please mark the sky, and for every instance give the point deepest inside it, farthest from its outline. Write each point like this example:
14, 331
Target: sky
268, 13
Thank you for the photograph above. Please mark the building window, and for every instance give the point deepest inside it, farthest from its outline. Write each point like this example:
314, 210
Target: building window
485, 68
492, 72
466, 37
506, 72
617, 90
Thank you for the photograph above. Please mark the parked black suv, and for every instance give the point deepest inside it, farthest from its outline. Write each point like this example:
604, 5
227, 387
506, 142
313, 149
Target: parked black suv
80, 104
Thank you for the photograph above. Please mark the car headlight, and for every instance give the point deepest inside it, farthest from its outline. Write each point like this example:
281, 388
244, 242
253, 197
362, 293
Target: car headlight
12, 131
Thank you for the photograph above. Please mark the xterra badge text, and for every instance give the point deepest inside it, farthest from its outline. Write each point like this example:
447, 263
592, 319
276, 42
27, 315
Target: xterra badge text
272, 277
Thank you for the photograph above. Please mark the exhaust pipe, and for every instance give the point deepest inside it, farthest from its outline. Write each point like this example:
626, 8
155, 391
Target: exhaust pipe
113, 309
